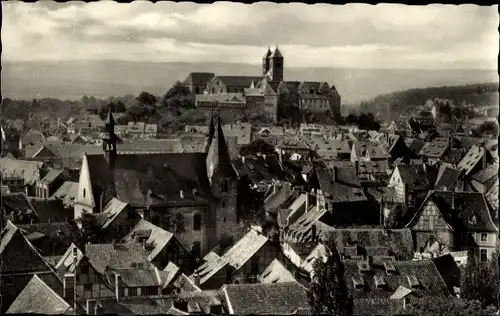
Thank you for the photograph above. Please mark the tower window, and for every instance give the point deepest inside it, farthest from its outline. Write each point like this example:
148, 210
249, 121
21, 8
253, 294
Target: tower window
197, 222
197, 90
84, 193
223, 186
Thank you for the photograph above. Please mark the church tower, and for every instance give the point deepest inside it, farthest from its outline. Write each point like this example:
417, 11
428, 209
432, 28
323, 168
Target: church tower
276, 66
224, 185
210, 134
266, 61
109, 140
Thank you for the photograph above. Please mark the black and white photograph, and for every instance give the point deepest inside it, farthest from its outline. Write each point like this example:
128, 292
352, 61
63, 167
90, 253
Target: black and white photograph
249, 159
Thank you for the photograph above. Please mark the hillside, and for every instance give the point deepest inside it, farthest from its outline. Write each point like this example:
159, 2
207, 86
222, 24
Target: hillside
72, 80
393, 105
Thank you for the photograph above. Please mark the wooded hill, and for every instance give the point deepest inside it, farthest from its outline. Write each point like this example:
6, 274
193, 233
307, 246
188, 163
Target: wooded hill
393, 105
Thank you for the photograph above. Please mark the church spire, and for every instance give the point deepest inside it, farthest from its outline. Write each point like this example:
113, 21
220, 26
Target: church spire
210, 134
109, 140
266, 62
218, 159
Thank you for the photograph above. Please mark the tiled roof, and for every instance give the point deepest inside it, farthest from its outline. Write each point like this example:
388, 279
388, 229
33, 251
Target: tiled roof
372, 241
447, 177
413, 175
199, 78
235, 257
276, 273
292, 142
18, 204
67, 262
51, 176
261, 168
435, 149
470, 160
172, 271
151, 146
158, 238
318, 252
492, 194
430, 282
24, 257
453, 156
342, 189
238, 81
137, 277
183, 283
301, 229
117, 256
471, 211
60, 235
276, 299
414, 144
38, 297
66, 193
221, 97
29, 171
111, 212
485, 175
50, 210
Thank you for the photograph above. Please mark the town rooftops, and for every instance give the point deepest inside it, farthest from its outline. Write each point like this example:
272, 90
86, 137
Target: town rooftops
436, 148
16, 169
66, 193
447, 177
273, 299
276, 273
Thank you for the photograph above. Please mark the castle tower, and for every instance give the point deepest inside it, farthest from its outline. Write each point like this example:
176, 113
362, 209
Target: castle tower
109, 140
224, 184
266, 61
276, 66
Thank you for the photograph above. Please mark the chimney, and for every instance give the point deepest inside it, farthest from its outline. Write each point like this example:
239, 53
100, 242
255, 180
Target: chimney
182, 194
68, 285
243, 159
452, 200
144, 243
32, 221
117, 286
91, 305
356, 166
197, 279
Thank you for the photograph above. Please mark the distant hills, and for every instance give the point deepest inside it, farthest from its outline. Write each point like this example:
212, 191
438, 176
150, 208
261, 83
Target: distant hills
392, 105
72, 80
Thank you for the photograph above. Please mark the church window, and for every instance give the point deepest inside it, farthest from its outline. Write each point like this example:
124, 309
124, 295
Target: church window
223, 186
197, 222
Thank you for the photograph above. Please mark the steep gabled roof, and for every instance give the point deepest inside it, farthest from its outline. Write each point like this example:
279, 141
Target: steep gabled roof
38, 297
199, 78
447, 177
276, 53
276, 273
29, 171
470, 160
218, 161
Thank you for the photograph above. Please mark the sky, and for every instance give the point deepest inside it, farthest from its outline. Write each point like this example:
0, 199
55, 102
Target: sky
321, 35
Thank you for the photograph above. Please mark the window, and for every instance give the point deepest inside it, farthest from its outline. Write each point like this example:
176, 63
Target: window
196, 249
132, 291
84, 193
483, 255
197, 90
223, 186
10, 281
87, 287
197, 222
149, 291
484, 237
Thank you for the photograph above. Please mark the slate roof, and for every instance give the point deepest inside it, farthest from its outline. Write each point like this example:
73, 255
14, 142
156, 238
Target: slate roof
117, 256
449, 270
431, 283
18, 204
158, 237
149, 146
276, 273
51, 176
471, 211
471, 159
29, 171
447, 177
274, 299
414, 144
165, 175
263, 169
50, 210
199, 78
111, 212
67, 193
38, 297
218, 161
486, 175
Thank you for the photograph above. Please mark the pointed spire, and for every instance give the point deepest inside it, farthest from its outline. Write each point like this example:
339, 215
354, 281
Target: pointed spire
211, 127
276, 53
110, 119
218, 159
268, 53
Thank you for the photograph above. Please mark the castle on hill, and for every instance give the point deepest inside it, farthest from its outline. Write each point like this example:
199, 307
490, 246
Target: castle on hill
238, 93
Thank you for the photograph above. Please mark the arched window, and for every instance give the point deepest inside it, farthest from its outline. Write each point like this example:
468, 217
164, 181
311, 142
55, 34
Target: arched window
197, 222
223, 186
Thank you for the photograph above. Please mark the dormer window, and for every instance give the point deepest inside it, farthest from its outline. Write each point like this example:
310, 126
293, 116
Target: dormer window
472, 219
389, 268
413, 281
379, 281
358, 282
363, 266
223, 186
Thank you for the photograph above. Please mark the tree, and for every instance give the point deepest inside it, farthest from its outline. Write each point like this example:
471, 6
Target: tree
178, 96
90, 228
487, 128
480, 281
146, 98
446, 306
328, 290
395, 216
120, 107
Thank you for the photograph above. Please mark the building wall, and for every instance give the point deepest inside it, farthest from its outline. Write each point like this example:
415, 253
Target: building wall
316, 105
164, 217
226, 213
217, 86
89, 284
397, 183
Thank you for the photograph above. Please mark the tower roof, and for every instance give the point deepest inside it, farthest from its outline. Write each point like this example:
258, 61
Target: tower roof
276, 53
218, 160
268, 53
110, 119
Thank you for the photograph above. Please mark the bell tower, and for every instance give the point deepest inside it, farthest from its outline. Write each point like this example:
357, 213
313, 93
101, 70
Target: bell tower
276, 66
266, 61
109, 140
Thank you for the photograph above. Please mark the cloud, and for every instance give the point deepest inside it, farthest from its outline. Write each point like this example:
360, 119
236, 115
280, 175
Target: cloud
362, 35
